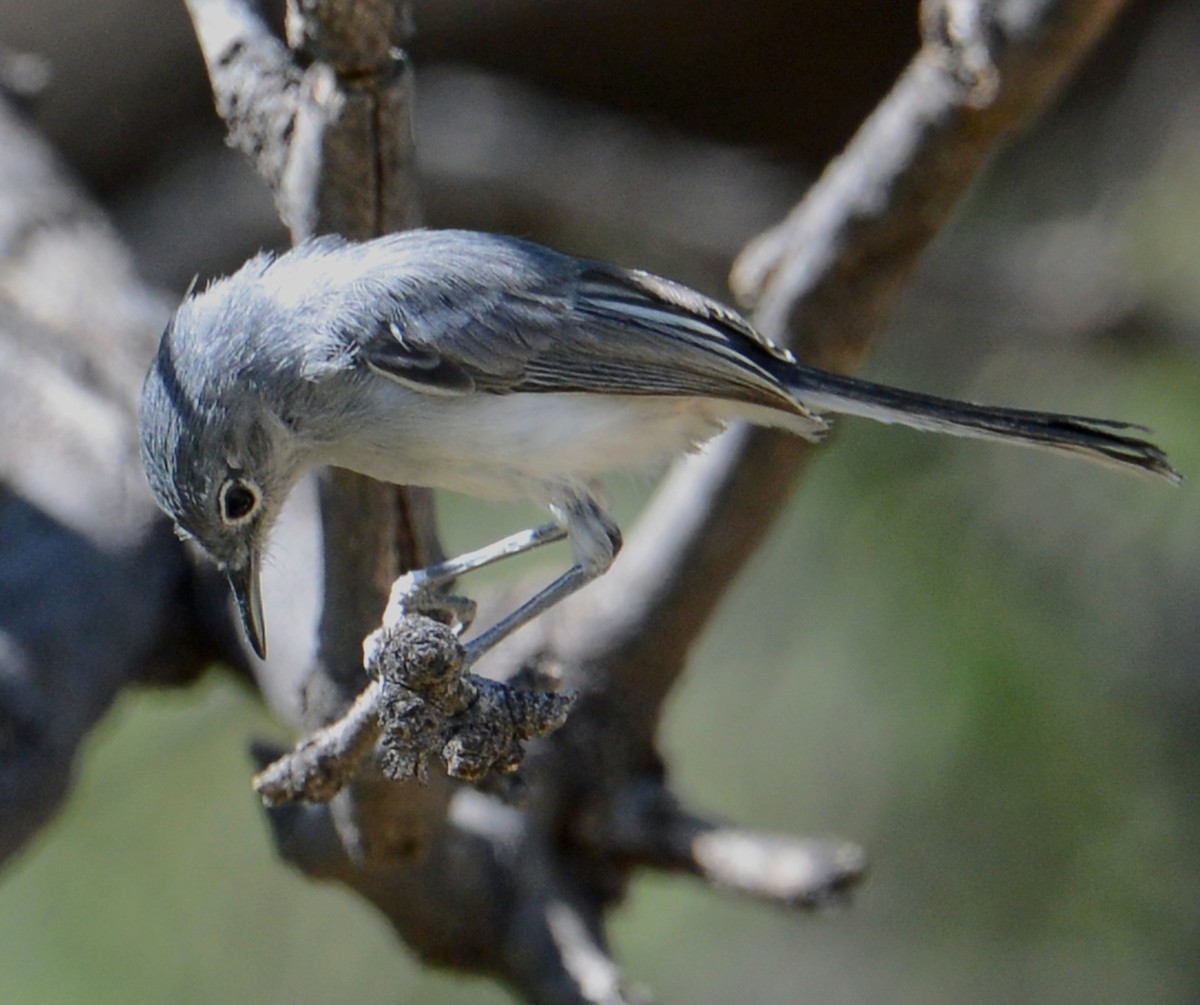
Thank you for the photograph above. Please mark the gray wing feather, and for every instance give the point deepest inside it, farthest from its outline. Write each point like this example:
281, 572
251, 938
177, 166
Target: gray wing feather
495, 314
454, 312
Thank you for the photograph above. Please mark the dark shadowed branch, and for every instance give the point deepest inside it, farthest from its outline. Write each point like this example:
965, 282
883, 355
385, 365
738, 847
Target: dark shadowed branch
648, 828
95, 592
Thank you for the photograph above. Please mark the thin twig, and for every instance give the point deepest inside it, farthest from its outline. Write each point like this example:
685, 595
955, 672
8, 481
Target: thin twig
421, 705
649, 827
325, 761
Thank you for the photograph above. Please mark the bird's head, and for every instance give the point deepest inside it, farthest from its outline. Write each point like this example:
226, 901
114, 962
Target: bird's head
216, 455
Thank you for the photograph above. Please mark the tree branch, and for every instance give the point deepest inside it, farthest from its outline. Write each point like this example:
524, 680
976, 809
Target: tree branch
521, 891
823, 280
341, 129
420, 705
649, 828
95, 592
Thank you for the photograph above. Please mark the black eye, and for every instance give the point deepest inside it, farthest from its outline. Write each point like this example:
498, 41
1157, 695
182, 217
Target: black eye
238, 501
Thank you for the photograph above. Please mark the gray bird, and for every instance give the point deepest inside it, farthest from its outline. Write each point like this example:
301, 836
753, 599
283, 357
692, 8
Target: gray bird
491, 366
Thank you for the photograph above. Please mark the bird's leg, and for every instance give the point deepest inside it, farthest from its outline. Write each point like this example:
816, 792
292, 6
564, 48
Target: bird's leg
595, 540
416, 591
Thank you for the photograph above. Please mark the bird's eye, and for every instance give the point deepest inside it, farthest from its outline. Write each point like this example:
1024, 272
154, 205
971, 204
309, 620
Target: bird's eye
238, 500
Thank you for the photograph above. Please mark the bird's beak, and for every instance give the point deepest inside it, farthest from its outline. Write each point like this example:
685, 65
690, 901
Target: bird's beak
248, 593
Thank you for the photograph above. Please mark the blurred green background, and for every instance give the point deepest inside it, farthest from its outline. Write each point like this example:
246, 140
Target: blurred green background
979, 663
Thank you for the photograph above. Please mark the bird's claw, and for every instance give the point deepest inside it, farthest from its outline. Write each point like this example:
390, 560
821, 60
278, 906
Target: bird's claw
417, 593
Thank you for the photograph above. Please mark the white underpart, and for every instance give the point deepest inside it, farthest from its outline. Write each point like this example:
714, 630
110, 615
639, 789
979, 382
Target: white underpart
532, 445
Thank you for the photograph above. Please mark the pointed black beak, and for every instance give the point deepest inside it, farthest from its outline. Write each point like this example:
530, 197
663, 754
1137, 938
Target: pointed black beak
248, 594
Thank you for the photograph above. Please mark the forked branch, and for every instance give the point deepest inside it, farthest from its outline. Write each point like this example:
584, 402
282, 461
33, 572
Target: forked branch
521, 891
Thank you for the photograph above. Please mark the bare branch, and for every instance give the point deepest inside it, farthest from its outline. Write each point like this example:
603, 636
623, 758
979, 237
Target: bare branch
522, 892
649, 828
363, 181
774, 867
325, 761
261, 96
346, 169
563, 960
824, 280
832, 270
421, 705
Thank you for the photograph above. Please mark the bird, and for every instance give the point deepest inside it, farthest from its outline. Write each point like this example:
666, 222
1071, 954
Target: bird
493, 366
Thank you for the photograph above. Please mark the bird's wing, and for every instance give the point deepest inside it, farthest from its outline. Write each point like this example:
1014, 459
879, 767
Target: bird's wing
511, 317
639, 334
447, 336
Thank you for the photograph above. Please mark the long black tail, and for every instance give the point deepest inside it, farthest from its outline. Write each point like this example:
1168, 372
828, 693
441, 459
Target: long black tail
1099, 439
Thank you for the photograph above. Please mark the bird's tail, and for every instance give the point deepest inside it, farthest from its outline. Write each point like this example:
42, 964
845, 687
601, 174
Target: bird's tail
1101, 440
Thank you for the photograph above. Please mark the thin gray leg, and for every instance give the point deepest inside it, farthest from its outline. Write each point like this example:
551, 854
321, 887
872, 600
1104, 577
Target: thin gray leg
573, 579
515, 544
418, 592
595, 541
